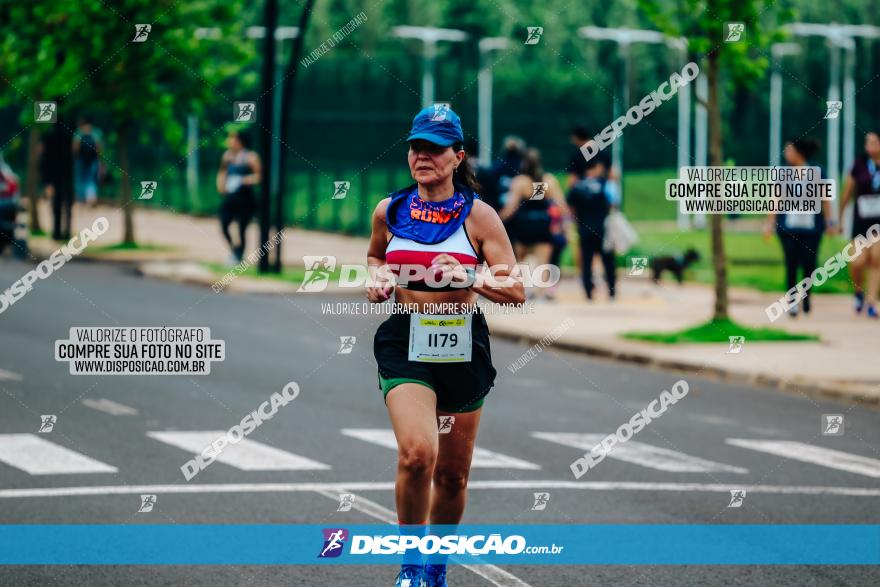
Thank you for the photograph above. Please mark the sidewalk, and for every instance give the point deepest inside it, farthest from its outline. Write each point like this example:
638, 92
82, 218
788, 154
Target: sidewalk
842, 364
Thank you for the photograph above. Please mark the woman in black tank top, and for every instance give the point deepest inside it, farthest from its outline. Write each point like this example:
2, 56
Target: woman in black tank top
239, 172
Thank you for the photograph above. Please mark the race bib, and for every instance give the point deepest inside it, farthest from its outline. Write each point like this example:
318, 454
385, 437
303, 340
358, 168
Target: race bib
869, 205
233, 182
443, 338
801, 221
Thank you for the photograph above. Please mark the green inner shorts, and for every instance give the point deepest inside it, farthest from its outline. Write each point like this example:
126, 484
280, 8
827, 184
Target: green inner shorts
387, 385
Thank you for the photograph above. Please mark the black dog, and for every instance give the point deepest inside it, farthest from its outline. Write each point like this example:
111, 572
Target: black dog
676, 265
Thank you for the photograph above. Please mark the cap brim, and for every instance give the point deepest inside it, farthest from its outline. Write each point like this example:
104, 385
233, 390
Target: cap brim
431, 138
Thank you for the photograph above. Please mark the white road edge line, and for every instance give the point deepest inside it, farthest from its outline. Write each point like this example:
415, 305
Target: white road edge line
495, 575
387, 486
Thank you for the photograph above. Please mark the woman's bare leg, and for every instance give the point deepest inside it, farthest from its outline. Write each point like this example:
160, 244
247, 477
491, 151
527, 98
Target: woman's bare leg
412, 408
453, 467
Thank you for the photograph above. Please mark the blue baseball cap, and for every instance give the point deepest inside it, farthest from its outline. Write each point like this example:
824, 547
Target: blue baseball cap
437, 124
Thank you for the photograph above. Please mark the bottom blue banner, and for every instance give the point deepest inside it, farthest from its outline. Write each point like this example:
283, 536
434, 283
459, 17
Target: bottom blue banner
172, 544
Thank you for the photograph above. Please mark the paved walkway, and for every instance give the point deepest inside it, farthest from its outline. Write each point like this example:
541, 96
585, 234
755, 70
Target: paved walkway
843, 363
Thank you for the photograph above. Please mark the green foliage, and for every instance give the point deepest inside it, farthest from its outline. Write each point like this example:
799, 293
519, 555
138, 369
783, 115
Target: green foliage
719, 331
84, 52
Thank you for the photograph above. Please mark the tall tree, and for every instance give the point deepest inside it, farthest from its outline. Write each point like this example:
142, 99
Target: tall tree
704, 23
143, 80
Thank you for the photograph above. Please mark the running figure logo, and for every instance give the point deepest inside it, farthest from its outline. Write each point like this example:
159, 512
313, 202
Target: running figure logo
45, 112
340, 189
346, 500
735, 32
346, 345
638, 265
533, 35
148, 188
318, 271
47, 423
833, 107
147, 503
736, 498
445, 424
539, 189
141, 32
334, 540
244, 111
441, 109
832, 424
736, 344
541, 501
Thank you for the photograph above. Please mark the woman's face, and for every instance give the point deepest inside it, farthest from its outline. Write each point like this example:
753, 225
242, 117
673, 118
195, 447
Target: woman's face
431, 164
872, 145
792, 157
232, 142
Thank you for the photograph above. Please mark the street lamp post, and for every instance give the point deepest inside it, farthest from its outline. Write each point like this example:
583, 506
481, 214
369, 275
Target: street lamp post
625, 38
839, 37
429, 36
777, 51
484, 96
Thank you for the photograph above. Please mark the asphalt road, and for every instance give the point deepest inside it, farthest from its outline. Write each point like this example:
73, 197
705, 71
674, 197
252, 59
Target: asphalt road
719, 437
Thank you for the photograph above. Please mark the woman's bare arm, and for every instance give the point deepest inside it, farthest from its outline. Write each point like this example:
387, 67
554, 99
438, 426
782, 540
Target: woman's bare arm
381, 289
498, 254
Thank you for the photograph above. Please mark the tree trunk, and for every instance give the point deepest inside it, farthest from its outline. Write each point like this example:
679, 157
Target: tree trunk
32, 185
719, 261
125, 186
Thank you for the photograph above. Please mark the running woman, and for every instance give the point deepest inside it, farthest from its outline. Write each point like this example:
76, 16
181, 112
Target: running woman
863, 186
239, 173
532, 195
430, 373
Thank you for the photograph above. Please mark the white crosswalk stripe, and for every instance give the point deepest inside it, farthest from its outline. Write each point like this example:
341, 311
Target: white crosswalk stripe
35, 455
639, 453
247, 455
817, 455
483, 458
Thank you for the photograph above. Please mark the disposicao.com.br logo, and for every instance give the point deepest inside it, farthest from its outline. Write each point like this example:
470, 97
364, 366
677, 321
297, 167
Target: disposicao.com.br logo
334, 540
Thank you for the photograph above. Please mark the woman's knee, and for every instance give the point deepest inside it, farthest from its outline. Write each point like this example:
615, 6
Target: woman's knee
416, 457
451, 479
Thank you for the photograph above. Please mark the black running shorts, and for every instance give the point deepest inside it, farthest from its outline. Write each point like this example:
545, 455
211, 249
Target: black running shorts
459, 387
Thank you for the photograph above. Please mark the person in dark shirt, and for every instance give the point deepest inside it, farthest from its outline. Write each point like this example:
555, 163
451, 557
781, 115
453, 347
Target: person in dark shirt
57, 172
863, 188
578, 165
800, 234
488, 186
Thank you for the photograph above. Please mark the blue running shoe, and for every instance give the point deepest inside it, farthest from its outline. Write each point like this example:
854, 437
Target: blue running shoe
435, 576
872, 312
410, 576
860, 302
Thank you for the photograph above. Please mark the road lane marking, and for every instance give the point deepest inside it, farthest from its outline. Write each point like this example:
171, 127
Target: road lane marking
37, 456
9, 376
495, 575
111, 407
247, 455
483, 458
194, 488
639, 453
817, 455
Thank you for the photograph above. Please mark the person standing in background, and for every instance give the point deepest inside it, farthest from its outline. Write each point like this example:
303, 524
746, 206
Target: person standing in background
239, 172
863, 187
57, 172
591, 198
800, 234
87, 150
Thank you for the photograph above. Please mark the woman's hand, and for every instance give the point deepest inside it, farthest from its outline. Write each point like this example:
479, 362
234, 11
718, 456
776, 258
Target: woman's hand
381, 287
444, 265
